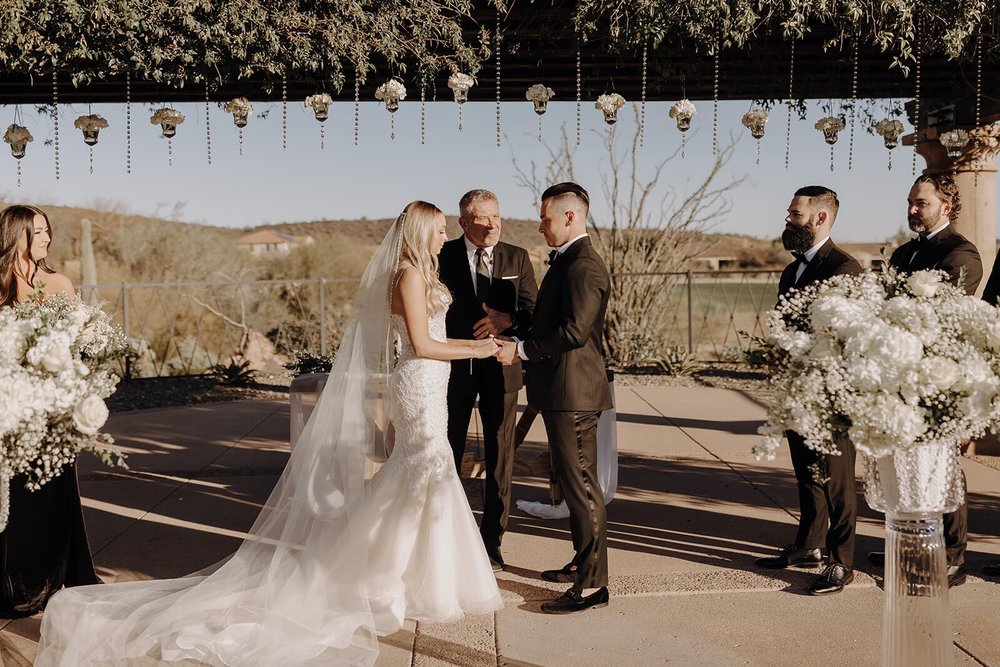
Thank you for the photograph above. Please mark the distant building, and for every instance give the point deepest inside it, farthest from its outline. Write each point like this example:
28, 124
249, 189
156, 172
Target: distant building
268, 242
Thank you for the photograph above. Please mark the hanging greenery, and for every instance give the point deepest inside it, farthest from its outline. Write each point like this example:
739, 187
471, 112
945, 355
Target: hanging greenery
888, 24
185, 41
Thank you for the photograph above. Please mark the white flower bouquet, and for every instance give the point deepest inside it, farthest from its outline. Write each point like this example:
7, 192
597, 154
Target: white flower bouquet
57, 361
894, 362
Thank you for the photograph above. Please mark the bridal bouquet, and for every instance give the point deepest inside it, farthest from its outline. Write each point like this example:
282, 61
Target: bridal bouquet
892, 361
57, 362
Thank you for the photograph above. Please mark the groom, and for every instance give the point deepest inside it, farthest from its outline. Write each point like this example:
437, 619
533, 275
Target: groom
493, 287
566, 381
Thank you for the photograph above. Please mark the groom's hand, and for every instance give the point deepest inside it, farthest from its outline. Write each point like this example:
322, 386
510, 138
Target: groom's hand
493, 324
507, 354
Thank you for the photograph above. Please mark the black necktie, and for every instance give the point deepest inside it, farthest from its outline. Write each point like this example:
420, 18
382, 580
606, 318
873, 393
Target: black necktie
482, 275
552, 255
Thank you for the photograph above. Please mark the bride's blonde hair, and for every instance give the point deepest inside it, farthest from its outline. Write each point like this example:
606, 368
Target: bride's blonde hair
418, 221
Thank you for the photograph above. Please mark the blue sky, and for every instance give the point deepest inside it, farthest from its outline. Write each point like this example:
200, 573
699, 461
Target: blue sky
378, 177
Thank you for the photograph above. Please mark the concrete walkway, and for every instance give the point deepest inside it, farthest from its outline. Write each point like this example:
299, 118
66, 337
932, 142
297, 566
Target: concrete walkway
693, 510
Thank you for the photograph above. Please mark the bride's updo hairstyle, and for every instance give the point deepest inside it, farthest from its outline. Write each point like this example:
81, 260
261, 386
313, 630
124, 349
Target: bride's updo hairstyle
418, 224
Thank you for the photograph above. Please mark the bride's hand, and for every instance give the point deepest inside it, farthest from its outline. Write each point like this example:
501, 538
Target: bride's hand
481, 349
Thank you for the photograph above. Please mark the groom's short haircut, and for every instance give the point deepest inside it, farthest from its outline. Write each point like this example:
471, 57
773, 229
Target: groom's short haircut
821, 197
471, 198
568, 189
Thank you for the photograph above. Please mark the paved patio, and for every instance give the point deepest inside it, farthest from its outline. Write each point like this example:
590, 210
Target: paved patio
693, 510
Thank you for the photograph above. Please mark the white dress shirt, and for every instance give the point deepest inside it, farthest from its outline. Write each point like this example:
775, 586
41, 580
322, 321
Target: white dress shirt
470, 250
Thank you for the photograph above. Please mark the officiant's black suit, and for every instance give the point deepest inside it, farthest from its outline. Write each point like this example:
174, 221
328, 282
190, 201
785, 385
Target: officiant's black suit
567, 383
512, 289
828, 509
951, 252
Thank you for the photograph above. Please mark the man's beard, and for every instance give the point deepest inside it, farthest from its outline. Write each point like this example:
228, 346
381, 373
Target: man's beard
798, 239
919, 224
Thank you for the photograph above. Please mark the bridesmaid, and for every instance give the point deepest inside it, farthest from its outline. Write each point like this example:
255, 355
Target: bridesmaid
44, 546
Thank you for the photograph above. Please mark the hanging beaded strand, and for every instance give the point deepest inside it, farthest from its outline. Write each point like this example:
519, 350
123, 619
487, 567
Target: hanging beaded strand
90, 149
715, 100
790, 104
423, 113
642, 103
128, 123
284, 115
498, 76
55, 118
854, 104
579, 89
916, 94
208, 123
979, 93
357, 104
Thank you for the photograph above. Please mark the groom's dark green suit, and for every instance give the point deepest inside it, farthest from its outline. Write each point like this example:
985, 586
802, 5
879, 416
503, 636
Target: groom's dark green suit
567, 382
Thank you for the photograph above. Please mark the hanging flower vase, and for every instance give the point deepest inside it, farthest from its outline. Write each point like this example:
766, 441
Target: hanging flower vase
610, 104
391, 92
755, 120
460, 84
889, 130
91, 126
168, 120
18, 137
539, 95
954, 141
830, 126
241, 109
914, 486
320, 104
683, 112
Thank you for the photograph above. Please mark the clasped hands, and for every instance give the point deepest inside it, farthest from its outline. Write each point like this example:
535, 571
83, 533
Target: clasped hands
490, 327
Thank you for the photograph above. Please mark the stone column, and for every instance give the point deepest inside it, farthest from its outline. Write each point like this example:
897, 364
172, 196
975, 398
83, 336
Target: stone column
975, 172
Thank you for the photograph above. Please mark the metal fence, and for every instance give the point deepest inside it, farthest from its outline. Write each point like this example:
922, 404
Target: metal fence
183, 328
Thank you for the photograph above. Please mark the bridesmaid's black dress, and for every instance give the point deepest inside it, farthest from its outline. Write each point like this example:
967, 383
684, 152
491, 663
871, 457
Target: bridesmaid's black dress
44, 546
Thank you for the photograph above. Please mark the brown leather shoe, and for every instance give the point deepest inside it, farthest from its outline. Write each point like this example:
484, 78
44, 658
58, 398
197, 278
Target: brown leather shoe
572, 601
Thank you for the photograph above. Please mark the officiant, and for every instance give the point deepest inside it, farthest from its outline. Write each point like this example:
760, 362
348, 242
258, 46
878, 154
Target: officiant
493, 287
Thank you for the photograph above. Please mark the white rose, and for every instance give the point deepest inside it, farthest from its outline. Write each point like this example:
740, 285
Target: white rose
924, 283
939, 372
90, 414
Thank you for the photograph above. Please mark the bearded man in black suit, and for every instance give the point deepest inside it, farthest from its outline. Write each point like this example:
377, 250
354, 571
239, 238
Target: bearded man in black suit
932, 206
567, 383
493, 287
827, 493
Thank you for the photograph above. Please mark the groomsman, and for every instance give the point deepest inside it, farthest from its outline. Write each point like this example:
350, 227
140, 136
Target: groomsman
827, 494
990, 295
933, 204
493, 289
566, 381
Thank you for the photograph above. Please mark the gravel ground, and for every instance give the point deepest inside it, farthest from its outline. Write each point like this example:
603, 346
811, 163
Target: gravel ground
739, 377
142, 393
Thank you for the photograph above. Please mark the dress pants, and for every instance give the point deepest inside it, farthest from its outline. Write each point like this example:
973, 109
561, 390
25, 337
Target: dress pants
956, 531
828, 510
498, 413
573, 444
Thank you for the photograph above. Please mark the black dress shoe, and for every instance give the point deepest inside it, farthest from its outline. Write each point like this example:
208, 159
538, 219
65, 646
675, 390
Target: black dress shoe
496, 559
956, 575
792, 555
993, 569
833, 580
877, 558
567, 575
572, 600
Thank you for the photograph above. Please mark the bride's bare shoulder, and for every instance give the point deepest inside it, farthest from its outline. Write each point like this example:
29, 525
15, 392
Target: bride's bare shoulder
54, 283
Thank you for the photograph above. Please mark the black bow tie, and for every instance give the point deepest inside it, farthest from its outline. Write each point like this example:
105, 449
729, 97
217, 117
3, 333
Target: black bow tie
800, 256
552, 255
921, 238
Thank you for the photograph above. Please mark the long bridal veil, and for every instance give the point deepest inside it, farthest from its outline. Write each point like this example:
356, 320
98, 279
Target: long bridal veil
294, 593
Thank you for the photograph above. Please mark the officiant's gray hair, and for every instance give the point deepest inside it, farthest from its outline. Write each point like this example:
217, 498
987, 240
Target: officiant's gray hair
568, 190
822, 197
472, 197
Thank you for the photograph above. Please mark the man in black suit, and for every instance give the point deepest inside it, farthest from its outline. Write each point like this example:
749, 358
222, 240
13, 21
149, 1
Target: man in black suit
493, 287
566, 381
932, 205
827, 494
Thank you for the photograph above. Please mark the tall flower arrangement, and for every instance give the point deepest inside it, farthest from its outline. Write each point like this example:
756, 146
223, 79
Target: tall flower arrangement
57, 361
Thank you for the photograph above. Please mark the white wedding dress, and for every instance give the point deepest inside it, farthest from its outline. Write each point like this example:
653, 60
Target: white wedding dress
326, 569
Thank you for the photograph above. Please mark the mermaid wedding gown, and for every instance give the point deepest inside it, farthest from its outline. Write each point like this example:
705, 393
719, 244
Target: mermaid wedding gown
321, 576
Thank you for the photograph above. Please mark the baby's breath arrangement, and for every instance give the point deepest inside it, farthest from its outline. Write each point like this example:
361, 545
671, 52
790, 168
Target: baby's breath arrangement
892, 361
57, 363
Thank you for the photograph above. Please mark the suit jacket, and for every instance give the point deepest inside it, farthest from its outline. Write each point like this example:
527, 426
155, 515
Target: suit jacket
512, 290
992, 290
947, 251
565, 368
829, 261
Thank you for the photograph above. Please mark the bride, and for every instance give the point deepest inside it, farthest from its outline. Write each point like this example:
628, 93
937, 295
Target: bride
333, 560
